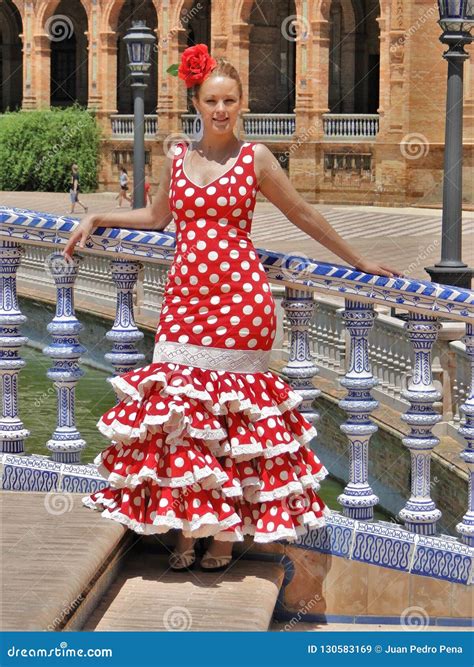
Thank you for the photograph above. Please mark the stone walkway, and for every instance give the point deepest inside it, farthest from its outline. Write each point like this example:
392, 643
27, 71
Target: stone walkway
406, 238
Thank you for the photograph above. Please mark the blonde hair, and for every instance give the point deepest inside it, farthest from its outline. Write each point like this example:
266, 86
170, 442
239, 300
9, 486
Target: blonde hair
223, 68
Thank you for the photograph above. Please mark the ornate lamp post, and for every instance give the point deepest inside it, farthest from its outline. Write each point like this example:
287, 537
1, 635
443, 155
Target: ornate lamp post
456, 21
139, 40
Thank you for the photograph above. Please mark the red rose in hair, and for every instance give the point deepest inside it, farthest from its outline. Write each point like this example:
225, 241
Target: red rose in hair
196, 63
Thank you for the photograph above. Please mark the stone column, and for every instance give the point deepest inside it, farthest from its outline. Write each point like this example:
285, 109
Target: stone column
94, 97
239, 56
42, 70
29, 90
171, 99
219, 25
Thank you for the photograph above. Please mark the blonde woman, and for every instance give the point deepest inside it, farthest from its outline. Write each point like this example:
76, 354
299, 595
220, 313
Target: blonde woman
210, 442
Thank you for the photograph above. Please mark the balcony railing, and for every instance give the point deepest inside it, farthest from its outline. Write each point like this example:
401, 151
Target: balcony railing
417, 547
350, 126
265, 126
122, 125
271, 127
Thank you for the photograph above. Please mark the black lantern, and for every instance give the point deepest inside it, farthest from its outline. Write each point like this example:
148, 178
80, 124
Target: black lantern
456, 18
456, 15
139, 40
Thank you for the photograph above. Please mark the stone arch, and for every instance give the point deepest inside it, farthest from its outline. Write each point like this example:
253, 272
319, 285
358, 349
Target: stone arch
11, 57
134, 10
354, 53
272, 57
68, 49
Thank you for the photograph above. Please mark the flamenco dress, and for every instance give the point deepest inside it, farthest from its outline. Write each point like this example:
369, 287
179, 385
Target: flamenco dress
206, 439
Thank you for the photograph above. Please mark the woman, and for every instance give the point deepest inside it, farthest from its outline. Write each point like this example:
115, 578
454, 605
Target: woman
123, 180
209, 441
74, 189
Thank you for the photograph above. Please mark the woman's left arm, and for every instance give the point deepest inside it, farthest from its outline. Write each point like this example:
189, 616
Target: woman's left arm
278, 189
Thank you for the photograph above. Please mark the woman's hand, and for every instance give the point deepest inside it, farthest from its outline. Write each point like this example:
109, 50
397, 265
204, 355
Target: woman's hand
377, 269
80, 234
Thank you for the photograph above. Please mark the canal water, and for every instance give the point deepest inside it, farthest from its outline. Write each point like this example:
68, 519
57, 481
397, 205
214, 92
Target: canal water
94, 396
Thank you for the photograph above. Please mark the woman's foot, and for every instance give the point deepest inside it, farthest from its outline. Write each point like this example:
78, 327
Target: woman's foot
183, 556
218, 556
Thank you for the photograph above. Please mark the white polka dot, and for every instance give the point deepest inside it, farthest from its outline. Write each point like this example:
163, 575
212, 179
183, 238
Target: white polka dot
189, 192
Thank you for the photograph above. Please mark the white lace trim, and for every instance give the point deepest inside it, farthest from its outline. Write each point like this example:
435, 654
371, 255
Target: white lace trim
212, 358
131, 481
206, 526
309, 522
209, 525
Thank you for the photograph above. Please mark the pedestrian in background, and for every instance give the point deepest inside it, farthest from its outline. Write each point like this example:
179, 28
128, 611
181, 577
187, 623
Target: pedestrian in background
148, 195
123, 179
74, 188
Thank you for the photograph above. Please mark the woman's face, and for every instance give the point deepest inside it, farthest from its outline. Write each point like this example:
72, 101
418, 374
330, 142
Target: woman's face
219, 104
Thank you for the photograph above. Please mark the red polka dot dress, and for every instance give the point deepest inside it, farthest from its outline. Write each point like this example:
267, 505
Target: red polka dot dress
206, 439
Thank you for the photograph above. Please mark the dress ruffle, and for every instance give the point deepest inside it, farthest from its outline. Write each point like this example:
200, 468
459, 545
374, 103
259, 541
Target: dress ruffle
209, 452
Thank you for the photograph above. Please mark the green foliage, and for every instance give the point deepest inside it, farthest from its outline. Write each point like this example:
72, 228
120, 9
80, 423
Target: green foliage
37, 149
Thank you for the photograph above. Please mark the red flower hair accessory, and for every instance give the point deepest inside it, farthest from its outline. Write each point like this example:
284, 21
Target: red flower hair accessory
196, 64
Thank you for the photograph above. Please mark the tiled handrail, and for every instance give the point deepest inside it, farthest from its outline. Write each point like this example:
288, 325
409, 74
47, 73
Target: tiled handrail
425, 302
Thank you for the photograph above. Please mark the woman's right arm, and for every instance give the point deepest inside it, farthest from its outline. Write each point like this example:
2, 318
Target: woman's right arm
155, 217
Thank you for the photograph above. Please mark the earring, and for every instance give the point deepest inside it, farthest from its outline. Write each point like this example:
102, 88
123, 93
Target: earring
197, 127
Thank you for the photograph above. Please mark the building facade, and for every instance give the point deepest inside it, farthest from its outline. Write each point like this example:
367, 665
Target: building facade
348, 94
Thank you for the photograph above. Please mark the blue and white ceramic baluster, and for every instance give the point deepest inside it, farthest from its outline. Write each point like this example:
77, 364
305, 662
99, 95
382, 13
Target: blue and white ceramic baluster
300, 368
66, 443
12, 429
466, 526
124, 333
420, 513
358, 500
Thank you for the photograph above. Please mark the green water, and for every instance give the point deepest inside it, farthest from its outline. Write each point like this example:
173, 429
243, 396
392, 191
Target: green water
94, 396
